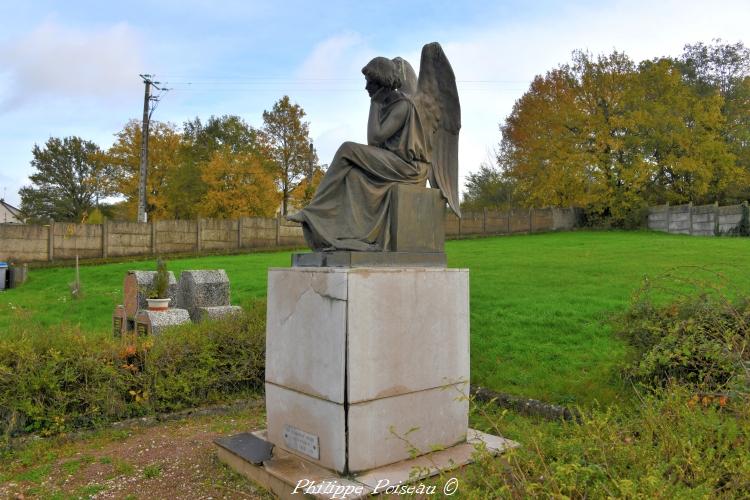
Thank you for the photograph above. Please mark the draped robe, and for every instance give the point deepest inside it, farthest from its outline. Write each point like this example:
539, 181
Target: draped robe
351, 209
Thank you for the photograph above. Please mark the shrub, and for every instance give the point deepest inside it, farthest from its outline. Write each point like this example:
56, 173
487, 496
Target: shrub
701, 341
58, 382
161, 282
667, 447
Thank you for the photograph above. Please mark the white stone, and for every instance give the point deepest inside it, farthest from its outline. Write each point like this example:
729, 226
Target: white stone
312, 415
392, 338
388, 430
306, 331
408, 330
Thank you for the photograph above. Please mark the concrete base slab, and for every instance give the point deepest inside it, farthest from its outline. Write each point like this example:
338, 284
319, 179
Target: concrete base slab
289, 476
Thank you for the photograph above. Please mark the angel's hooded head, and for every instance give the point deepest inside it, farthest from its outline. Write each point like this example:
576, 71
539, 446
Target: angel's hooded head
383, 72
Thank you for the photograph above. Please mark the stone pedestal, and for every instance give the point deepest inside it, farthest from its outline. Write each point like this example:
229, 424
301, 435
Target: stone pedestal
363, 365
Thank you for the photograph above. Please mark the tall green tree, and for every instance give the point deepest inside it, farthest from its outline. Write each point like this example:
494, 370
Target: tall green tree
488, 188
724, 68
289, 146
70, 179
677, 138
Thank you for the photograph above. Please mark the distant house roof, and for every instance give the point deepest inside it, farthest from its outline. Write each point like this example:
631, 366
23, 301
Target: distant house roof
13, 211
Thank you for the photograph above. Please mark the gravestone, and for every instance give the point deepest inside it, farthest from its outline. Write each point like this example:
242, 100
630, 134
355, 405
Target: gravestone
119, 321
154, 322
138, 286
201, 289
217, 312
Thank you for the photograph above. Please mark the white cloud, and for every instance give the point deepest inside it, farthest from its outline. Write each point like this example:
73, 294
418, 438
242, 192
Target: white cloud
58, 61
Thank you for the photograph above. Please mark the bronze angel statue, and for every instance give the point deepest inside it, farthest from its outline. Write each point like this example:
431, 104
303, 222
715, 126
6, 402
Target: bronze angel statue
412, 137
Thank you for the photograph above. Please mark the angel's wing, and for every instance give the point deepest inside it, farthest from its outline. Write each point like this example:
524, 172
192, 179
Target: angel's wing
437, 100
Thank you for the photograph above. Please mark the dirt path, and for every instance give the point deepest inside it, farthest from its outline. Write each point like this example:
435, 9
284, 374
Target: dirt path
168, 460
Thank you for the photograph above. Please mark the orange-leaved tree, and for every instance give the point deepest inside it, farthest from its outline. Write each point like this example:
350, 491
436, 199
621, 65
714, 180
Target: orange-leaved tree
238, 184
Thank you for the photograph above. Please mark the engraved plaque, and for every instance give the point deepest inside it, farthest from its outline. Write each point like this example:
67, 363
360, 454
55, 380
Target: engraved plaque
117, 326
301, 441
142, 329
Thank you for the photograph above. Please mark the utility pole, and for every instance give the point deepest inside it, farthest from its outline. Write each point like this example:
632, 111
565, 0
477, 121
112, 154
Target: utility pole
147, 111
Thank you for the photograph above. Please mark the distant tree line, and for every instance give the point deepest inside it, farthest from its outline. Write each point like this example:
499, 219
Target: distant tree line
613, 136
220, 168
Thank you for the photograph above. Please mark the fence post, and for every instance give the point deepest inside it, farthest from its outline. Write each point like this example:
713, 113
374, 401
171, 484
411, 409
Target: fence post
278, 229
510, 211
198, 234
459, 227
51, 241
484, 221
105, 238
239, 232
153, 237
531, 220
690, 211
669, 216
716, 218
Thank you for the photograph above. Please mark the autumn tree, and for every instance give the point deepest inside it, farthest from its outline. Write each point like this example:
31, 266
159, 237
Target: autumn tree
163, 164
605, 134
70, 178
289, 145
238, 184
200, 140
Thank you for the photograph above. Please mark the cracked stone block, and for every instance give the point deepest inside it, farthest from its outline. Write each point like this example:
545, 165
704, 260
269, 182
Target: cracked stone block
138, 286
203, 288
154, 322
217, 312
306, 330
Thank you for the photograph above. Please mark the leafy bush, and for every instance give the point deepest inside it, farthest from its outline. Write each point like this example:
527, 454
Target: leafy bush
699, 341
667, 447
57, 382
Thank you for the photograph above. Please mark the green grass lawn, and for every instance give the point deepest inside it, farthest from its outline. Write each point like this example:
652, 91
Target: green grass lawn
540, 304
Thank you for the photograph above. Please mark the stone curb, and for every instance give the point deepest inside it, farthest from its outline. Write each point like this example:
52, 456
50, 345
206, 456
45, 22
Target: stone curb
525, 406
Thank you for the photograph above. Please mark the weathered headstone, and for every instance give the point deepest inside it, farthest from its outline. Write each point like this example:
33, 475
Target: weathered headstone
154, 322
203, 288
217, 312
138, 286
119, 321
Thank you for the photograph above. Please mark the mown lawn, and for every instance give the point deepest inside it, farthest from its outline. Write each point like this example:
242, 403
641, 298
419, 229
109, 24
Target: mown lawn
540, 305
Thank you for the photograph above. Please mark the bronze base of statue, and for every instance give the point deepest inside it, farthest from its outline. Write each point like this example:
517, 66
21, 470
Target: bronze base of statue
342, 258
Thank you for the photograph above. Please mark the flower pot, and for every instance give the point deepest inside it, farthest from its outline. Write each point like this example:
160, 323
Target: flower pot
158, 304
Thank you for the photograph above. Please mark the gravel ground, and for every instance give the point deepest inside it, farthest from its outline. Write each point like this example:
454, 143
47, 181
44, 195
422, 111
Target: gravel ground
174, 459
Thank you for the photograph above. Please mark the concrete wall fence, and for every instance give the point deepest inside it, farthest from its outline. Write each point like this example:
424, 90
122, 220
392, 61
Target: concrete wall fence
63, 241
697, 220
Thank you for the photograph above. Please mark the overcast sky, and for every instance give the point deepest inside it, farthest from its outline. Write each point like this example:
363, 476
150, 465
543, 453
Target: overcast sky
71, 67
